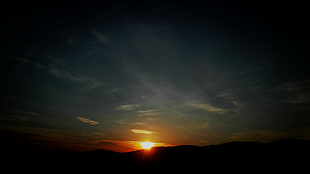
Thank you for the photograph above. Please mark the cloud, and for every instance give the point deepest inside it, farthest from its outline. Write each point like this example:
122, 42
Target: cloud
91, 83
229, 96
203, 141
62, 74
122, 121
297, 92
209, 108
148, 113
86, 120
125, 122
66, 75
20, 115
99, 36
99, 134
128, 107
138, 123
142, 131
267, 135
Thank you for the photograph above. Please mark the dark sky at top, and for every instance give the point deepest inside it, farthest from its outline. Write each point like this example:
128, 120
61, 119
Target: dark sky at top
109, 75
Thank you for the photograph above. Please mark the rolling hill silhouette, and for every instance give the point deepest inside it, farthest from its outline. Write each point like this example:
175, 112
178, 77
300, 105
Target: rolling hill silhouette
282, 155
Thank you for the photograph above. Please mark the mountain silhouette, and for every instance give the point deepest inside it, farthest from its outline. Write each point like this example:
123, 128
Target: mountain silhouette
282, 155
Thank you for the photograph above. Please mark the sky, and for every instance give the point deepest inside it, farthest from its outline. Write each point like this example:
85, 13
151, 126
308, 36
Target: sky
85, 76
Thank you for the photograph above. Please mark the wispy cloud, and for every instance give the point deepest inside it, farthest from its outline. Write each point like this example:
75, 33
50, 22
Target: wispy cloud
125, 122
122, 121
87, 120
62, 74
148, 113
229, 96
298, 92
267, 135
138, 123
20, 115
99, 36
208, 107
66, 75
127, 107
142, 131
91, 83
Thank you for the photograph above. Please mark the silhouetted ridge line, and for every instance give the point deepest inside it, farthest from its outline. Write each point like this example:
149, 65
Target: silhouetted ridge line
282, 154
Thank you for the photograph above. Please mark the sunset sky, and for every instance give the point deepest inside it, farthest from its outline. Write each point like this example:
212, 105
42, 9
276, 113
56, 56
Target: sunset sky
110, 75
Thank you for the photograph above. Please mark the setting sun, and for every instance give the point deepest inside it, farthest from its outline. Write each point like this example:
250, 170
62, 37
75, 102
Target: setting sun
147, 145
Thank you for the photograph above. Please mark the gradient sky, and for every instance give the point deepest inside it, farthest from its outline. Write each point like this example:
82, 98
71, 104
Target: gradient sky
109, 75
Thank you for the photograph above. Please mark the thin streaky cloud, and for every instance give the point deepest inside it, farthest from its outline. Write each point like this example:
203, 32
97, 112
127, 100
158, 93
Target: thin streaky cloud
87, 120
62, 74
268, 135
138, 123
148, 113
122, 121
99, 36
142, 131
125, 122
169, 109
208, 107
91, 83
66, 75
127, 107
297, 93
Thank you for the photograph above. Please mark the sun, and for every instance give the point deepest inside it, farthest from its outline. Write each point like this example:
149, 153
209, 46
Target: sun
146, 145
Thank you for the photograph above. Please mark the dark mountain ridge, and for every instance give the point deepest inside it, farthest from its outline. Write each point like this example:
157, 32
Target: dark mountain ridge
290, 154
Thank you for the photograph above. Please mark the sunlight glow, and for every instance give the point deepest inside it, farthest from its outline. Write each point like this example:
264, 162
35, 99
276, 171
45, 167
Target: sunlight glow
147, 145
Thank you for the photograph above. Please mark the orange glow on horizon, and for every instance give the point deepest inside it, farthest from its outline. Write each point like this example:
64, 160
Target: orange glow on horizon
147, 145
129, 146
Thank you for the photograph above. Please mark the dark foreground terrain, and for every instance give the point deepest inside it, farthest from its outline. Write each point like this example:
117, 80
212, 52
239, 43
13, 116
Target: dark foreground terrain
246, 157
